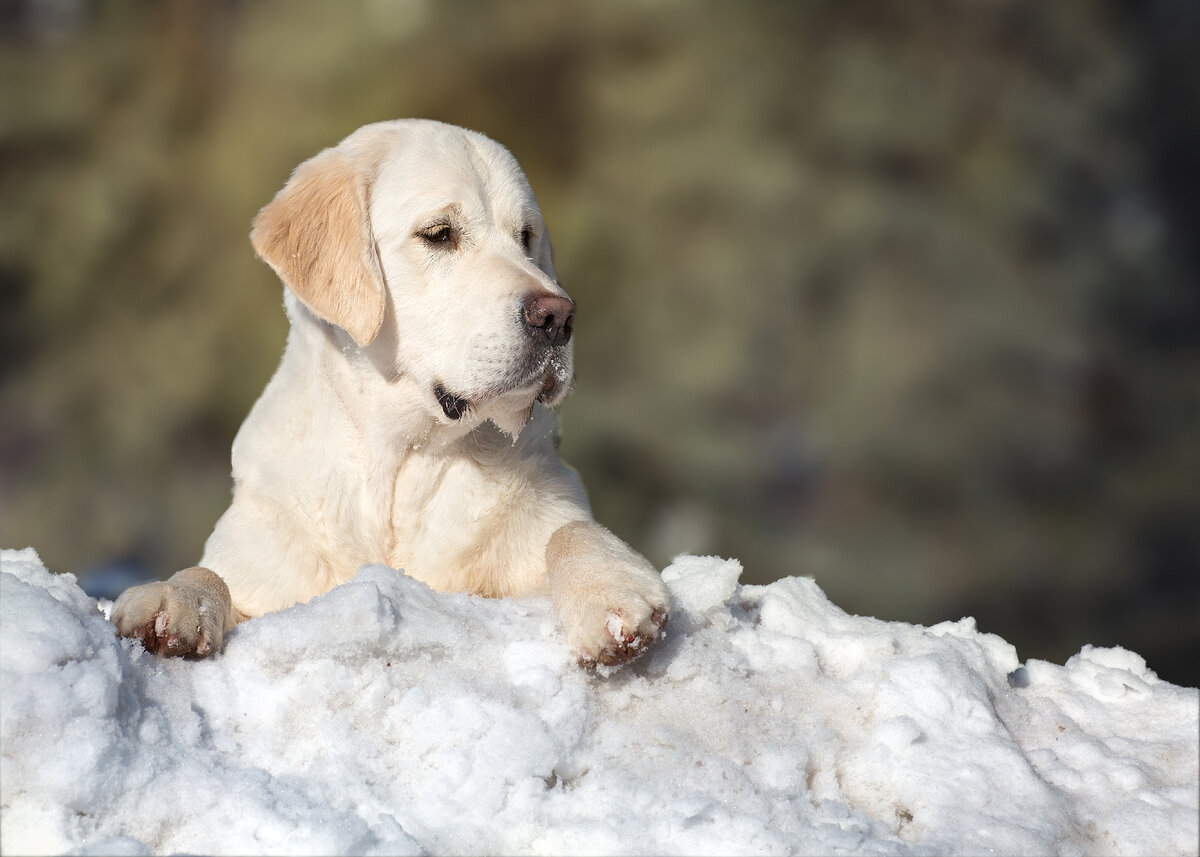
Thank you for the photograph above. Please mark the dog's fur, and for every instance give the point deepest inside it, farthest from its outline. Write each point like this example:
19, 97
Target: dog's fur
408, 421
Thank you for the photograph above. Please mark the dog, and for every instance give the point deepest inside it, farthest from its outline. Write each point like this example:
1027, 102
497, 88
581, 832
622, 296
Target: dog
410, 420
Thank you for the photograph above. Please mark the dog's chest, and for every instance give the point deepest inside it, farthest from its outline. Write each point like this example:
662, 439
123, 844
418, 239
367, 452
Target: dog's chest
441, 507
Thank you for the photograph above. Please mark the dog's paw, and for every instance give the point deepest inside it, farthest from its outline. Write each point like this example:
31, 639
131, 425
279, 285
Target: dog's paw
621, 640
186, 615
612, 603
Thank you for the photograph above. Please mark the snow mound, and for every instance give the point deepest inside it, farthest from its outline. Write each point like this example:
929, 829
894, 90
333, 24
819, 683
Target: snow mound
384, 718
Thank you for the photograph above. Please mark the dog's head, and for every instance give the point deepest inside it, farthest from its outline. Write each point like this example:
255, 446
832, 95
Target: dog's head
423, 245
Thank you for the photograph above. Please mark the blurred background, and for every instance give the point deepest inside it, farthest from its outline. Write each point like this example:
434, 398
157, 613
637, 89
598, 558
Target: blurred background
902, 296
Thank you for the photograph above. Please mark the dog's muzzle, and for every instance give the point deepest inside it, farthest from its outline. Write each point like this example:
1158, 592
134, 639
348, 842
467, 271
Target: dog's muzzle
547, 320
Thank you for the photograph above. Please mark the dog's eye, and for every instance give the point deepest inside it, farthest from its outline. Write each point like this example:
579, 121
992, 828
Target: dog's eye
441, 235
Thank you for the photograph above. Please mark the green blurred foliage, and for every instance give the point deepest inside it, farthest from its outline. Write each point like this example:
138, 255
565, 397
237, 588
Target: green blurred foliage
903, 296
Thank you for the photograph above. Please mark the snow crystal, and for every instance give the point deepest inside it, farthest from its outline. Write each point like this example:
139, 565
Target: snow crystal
384, 718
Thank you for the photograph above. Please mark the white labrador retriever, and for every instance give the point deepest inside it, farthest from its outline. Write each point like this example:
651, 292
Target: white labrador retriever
408, 421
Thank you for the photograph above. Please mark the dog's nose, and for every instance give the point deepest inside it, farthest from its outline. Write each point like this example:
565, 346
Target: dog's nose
550, 316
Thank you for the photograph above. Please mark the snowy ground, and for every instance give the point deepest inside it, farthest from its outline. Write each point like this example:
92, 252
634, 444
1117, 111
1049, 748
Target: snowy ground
385, 718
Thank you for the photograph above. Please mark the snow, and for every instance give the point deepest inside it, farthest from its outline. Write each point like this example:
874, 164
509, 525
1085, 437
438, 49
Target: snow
384, 718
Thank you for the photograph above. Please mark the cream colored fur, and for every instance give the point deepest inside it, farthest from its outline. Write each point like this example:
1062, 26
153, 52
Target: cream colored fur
349, 458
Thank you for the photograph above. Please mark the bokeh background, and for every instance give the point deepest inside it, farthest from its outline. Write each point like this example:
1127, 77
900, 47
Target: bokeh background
903, 296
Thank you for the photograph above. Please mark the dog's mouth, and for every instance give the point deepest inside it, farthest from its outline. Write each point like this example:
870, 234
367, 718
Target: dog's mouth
548, 387
453, 406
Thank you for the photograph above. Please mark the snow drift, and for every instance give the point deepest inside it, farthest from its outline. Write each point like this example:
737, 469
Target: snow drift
385, 718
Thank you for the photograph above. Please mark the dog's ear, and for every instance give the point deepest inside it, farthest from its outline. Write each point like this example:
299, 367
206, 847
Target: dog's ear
316, 234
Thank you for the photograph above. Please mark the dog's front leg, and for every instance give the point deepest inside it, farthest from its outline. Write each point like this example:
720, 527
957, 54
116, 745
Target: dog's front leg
610, 600
186, 615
